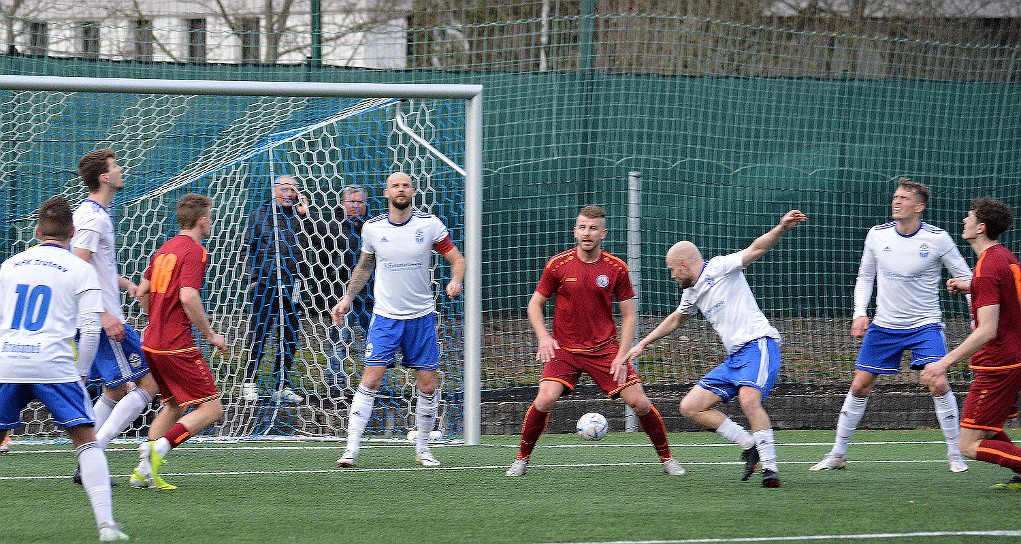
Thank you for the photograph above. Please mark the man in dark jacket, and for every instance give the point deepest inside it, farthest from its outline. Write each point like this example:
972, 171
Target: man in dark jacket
278, 239
346, 238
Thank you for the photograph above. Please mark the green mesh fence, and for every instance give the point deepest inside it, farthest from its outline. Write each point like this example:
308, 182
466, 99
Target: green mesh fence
730, 124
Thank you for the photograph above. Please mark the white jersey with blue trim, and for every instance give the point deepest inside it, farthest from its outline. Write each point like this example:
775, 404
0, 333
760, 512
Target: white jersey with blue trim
93, 228
403, 285
42, 292
907, 270
722, 294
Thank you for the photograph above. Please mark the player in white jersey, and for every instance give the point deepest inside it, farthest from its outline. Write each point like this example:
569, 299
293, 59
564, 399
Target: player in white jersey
119, 361
719, 290
398, 245
905, 259
46, 295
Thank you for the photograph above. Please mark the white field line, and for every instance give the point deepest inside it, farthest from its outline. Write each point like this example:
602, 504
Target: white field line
463, 468
803, 538
131, 445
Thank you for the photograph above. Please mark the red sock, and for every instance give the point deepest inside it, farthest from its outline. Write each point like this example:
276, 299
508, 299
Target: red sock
653, 425
998, 452
177, 434
531, 430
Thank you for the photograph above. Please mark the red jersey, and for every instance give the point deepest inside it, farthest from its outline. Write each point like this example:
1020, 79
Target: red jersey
997, 280
180, 262
583, 314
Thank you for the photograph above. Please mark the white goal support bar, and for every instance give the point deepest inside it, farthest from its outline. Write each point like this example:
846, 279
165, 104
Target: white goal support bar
471, 94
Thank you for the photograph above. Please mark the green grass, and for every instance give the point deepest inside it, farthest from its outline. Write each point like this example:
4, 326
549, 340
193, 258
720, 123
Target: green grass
613, 490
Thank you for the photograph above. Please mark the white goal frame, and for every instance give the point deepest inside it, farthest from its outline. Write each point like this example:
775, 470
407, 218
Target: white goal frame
471, 94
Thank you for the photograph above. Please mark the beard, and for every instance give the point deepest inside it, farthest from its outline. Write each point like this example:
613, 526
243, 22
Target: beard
401, 205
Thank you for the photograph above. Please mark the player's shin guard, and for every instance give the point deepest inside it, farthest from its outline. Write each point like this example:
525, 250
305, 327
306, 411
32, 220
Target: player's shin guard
653, 425
102, 409
736, 434
358, 415
531, 429
767, 449
850, 415
126, 411
947, 414
1005, 454
96, 481
425, 417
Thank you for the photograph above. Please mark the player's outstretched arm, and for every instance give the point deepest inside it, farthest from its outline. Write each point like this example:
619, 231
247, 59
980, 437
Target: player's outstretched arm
670, 324
764, 243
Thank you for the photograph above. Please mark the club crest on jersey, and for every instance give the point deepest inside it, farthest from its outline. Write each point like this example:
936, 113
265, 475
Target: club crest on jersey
923, 250
419, 236
602, 280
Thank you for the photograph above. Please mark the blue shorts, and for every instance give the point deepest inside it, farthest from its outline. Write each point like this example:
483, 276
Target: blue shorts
882, 349
68, 403
756, 364
415, 337
119, 362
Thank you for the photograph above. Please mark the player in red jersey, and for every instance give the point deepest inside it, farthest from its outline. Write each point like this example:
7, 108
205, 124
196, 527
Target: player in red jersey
994, 344
170, 293
585, 280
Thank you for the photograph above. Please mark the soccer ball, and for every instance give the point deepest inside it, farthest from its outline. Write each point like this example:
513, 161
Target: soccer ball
592, 426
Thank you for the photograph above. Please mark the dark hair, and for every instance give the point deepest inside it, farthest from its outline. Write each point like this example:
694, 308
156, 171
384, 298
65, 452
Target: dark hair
920, 189
92, 165
191, 208
56, 219
996, 215
593, 212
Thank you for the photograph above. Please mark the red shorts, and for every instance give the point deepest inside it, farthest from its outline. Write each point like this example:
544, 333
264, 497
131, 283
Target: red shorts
992, 399
182, 375
566, 367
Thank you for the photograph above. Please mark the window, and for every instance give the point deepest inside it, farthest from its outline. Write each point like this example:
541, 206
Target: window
144, 39
249, 39
90, 39
38, 38
196, 40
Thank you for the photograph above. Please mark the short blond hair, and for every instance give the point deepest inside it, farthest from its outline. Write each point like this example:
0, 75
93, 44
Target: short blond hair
191, 208
920, 189
593, 212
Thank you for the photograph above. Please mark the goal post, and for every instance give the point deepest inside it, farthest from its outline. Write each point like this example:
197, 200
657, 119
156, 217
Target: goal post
261, 142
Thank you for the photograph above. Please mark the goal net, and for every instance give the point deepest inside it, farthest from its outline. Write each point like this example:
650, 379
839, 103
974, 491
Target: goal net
234, 148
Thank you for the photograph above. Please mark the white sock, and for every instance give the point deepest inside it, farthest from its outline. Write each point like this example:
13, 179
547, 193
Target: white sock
735, 433
850, 415
767, 450
425, 418
102, 409
358, 415
126, 411
96, 481
162, 446
946, 414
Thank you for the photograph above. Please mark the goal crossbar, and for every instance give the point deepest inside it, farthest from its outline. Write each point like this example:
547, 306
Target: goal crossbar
471, 94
